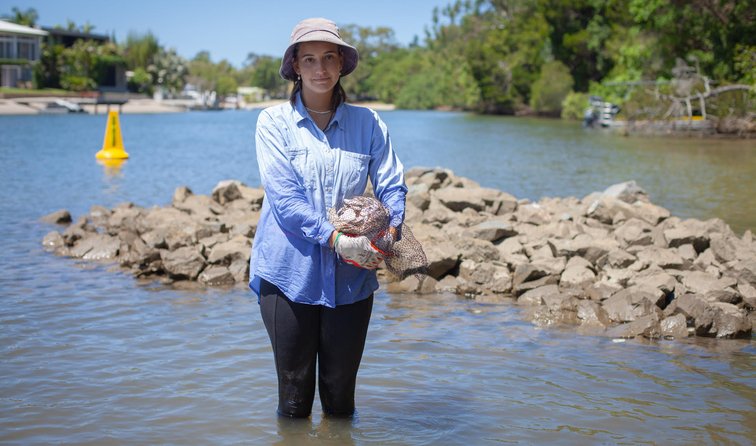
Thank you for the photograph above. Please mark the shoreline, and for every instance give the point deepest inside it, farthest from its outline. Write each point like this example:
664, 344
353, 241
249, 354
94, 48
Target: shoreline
44, 105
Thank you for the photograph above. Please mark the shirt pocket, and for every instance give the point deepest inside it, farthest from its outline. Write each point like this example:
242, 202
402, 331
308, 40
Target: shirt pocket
304, 166
354, 168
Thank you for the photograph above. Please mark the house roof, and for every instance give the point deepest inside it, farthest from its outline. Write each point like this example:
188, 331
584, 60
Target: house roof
15, 28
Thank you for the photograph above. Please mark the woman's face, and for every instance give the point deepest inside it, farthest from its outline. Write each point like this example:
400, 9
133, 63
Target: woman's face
319, 64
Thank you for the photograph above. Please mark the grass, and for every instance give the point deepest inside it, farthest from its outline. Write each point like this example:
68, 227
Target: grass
34, 91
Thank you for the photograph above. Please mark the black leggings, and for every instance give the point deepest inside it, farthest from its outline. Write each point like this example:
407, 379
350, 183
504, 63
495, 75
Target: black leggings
302, 333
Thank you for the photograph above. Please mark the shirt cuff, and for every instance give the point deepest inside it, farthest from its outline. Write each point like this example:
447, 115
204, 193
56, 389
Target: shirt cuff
325, 234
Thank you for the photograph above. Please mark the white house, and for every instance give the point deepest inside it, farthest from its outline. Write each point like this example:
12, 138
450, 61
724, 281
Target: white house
20, 48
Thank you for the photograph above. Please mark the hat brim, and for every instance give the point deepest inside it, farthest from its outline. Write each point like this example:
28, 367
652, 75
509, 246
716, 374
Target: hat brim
348, 52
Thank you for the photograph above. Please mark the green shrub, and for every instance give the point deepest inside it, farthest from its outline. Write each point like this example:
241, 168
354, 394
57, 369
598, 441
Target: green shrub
574, 105
550, 89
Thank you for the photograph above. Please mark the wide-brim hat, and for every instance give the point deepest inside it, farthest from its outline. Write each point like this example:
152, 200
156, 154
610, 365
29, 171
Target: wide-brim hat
317, 30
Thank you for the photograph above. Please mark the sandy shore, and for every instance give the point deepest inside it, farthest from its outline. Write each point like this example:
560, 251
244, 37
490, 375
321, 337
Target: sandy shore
42, 105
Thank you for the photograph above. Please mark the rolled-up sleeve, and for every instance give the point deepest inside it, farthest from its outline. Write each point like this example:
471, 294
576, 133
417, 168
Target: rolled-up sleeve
286, 195
387, 173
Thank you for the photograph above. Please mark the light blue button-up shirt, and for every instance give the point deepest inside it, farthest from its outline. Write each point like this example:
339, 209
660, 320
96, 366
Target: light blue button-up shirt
305, 171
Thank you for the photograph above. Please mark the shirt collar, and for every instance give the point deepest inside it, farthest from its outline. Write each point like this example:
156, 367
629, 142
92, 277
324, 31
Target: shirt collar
300, 113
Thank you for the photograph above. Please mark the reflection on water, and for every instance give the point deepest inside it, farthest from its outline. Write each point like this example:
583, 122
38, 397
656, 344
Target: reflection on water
89, 355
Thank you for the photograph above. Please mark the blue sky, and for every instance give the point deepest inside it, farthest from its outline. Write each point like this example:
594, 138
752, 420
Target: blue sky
228, 29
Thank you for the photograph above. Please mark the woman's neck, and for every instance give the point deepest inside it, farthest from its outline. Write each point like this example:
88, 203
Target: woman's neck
315, 101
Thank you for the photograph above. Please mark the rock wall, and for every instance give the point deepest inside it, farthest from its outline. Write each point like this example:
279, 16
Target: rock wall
611, 263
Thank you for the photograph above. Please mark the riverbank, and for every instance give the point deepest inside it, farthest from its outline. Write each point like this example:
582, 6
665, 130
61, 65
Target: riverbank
611, 263
36, 105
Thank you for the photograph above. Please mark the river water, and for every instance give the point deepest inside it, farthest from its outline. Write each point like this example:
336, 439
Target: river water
88, 355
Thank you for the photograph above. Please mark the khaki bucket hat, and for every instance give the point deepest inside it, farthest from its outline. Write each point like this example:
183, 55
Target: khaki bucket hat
317, 30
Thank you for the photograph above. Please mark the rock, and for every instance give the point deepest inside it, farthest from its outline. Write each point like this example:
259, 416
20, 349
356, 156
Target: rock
560, 302
480, 273
183, 263
544, 316
253, 196
687, 252
200, 207
630, 304
634, 232
727, 296
723, 248
601, 290
526, 273
99, 215
692, 306
497, 202
419, 195
53, 241
96, 247
480, 251
437, 214
578, 273
747, 272
649, 212
501, 282
685, 235
181, 194
224, 253
433, 178
647, 326
414, 285
239, 268
124, 218
664, 258
589, 247
541, 251
655, 280
674, 327
523, 287
592, 314
533, 213
442, 258
227, 191
156, 238
702, 282
60, 217
216, 276
491, 230
535, 296
163, 218
76, 231
448, 283
723, 320
616, 258
629, 192
458, 199
605, 208
178, 236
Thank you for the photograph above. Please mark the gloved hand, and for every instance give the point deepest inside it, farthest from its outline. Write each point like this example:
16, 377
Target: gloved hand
357, 251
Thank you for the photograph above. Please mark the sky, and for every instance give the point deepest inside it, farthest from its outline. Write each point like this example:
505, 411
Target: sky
228, 29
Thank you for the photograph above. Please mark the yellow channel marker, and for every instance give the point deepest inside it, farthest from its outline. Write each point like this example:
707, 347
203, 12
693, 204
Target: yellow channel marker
112, 147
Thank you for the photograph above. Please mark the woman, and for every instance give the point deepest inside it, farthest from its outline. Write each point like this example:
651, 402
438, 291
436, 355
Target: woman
315, 285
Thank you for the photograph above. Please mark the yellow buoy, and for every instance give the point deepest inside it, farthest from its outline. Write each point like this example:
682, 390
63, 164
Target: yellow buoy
112, 147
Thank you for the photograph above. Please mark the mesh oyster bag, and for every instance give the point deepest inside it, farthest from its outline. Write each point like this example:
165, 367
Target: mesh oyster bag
365, 215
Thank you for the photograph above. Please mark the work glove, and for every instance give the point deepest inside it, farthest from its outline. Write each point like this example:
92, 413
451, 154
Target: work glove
357, 251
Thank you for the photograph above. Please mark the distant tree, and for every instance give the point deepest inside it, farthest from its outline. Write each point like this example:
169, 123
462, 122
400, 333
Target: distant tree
27, 17
140, 49
551, 88
168, 70
262, 71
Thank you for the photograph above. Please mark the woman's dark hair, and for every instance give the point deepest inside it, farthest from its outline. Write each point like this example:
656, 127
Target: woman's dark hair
339, 95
